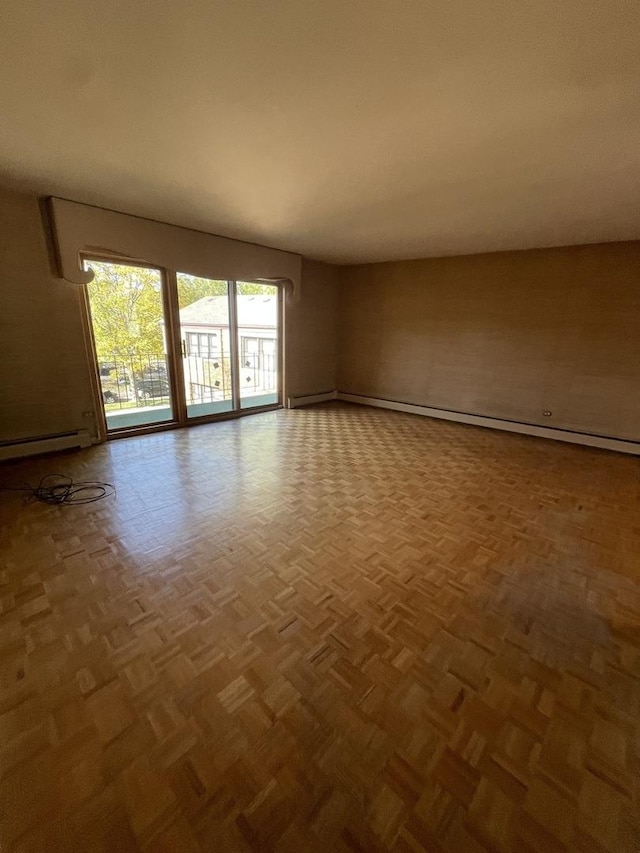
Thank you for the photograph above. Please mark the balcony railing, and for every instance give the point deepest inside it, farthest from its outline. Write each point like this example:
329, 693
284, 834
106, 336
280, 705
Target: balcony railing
135, 382
258, 373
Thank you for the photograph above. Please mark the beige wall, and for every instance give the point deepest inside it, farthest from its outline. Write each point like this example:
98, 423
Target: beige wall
311, 332
44, 378
507, 335
44, 374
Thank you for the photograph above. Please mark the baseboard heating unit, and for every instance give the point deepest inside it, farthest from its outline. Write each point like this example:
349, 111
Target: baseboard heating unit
44, 444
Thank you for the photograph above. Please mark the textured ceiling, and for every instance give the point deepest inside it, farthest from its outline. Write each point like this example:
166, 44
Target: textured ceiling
346, 130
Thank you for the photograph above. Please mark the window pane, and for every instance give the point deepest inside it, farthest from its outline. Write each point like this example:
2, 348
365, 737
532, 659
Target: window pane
258, 312
127, 315
204, 326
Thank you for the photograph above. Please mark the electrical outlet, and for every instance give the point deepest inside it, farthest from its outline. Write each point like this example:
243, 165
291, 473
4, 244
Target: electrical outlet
547, 414
87, 415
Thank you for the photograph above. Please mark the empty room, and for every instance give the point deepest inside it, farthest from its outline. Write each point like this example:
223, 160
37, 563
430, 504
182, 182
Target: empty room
320, 426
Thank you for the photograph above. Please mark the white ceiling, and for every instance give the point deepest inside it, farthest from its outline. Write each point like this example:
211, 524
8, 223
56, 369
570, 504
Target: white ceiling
347, 130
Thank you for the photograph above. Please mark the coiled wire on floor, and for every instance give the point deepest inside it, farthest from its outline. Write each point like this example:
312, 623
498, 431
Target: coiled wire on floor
60, 489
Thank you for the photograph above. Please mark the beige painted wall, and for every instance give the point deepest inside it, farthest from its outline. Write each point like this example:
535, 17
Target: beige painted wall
44, 378
507, 335
311, 332
44, 374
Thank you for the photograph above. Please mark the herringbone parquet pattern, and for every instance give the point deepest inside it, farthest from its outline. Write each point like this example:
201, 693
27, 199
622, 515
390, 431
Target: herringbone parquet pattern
327, 629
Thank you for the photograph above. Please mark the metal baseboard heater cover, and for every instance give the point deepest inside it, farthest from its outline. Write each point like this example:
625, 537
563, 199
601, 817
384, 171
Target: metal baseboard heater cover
621, 445
311, 399
44, 444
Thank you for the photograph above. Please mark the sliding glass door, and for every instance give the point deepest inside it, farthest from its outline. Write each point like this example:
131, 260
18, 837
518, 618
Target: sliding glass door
205, 343
174, 349
257, 312
128, 317
218, 319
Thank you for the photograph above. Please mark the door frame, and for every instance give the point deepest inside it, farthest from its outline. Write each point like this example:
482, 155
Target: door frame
279, 348
104, 432
173, 339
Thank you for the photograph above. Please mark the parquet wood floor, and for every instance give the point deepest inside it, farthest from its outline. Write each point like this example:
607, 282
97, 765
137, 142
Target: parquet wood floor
332, 629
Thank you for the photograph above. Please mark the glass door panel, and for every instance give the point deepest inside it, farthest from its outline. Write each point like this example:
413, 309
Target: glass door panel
126, 305
206, 345
258, 311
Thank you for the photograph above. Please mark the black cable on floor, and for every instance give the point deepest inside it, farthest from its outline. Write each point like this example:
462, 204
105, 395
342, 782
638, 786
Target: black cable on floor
64, 490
